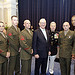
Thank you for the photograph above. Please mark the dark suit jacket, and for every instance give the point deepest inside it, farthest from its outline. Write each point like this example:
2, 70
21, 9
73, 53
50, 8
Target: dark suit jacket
40, 44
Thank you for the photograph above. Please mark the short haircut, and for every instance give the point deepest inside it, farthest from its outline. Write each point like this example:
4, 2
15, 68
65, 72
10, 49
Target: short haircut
66, 22
52, 23
42, 19
13, 16
72, 16
26, 20
1, 22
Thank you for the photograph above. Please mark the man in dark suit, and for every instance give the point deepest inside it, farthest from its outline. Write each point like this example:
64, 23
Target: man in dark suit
40, 47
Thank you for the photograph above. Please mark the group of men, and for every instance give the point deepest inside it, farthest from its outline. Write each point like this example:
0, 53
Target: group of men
16, 45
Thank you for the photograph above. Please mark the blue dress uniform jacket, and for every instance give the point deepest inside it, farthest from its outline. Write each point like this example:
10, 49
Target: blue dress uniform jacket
53, 42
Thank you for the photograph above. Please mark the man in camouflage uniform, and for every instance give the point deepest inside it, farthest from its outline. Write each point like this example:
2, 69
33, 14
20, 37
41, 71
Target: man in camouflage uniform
66, 38
73, 52
3, 51
26, 48
13, 42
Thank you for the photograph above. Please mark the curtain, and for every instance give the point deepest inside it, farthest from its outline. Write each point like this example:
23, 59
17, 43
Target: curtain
52, 10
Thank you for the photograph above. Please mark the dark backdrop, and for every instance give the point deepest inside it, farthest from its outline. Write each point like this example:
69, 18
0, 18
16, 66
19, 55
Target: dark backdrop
52, 10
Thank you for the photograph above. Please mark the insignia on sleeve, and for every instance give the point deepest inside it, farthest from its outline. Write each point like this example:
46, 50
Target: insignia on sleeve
22, 38
9, 34
1, 51
26, 48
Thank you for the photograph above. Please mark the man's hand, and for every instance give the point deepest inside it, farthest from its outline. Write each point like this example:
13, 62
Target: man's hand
73, 56
37, 56
19, 49
32, 51
8, 54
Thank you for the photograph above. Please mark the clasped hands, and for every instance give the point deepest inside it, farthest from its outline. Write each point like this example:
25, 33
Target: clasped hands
8, 54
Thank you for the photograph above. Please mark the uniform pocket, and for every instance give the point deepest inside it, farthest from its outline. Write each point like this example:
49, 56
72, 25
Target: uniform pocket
1, 42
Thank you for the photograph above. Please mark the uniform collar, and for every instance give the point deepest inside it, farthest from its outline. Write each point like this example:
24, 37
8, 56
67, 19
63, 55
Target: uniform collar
15, 27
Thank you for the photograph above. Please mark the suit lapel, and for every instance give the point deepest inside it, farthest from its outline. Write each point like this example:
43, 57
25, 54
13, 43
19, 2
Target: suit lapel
47, 35
42, 34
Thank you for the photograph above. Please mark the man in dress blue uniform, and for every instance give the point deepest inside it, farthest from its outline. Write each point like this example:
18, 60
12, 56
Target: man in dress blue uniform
53, 43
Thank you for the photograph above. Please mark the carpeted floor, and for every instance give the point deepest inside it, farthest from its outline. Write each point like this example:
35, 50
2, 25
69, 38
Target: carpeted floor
56, 67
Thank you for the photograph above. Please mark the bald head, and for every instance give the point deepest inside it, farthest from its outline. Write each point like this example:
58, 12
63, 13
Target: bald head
42, 23
66, 26
66, 23
27, 24
52, 23
25, 21
53, 26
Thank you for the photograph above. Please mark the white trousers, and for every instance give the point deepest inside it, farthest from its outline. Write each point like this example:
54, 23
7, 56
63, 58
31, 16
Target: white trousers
50, 64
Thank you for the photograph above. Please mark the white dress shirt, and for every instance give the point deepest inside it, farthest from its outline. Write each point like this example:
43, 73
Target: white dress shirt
44, 33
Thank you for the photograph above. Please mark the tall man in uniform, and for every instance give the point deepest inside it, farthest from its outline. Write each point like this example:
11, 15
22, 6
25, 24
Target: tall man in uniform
66, 38
13, 42
40, 47
4, 54
73, 52
26, 48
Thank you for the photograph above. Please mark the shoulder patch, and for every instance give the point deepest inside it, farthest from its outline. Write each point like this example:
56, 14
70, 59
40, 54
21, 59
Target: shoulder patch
26, 48
1, 51
22, 38
10, 34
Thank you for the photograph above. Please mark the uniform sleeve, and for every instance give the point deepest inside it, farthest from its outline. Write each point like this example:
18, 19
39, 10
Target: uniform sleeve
11, 42
23, 44
3, 53
59, 39
34, 43
3, 47
73, 52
